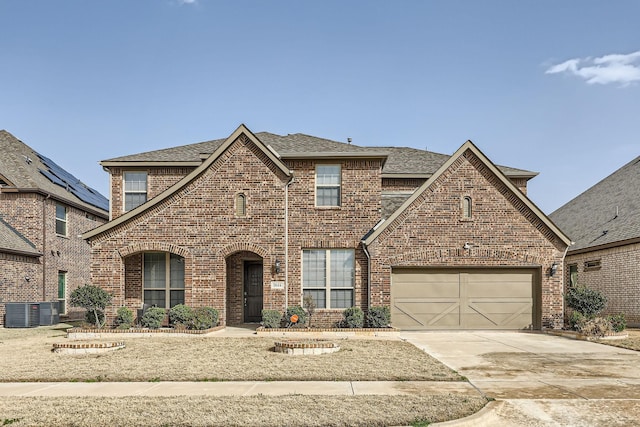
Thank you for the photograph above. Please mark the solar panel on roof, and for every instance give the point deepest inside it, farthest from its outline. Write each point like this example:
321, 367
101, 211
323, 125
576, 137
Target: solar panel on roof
64, 179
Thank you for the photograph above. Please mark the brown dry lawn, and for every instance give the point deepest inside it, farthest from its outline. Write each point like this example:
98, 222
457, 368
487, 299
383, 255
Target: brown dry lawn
631, 343
25, 355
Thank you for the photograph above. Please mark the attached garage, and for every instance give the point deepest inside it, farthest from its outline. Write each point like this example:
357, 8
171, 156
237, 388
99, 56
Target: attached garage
470, 298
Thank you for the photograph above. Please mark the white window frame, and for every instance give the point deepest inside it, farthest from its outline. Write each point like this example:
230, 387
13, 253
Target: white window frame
126, 191
329, 281
322, 185
167, 288
64, 221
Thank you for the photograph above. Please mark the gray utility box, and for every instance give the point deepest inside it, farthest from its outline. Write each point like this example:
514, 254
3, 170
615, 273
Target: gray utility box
49, 313
22, 315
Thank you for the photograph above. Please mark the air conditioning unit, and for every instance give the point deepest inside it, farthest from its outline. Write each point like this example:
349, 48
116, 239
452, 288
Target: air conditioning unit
22, 315
49, 313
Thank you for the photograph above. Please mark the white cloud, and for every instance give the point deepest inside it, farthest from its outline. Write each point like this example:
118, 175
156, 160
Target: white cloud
187, 1
614, 68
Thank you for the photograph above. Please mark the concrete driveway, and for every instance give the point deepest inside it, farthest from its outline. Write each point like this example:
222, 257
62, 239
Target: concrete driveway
542, 380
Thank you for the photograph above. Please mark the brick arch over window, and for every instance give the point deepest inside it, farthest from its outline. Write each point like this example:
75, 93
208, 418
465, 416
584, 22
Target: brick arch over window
481, 257
153, 247
243, 246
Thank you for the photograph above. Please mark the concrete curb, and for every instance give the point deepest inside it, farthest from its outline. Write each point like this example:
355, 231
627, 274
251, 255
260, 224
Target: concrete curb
485, 417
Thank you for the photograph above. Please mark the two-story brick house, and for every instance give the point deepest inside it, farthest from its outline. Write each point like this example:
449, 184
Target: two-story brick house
43, 211
257, 221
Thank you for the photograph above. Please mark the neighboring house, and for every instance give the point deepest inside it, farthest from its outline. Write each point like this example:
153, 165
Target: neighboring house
43, 212
604, 223
257, 221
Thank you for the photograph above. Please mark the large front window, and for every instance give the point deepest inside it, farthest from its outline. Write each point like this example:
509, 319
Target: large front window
328, 276
135, 189
163, 278
328, 181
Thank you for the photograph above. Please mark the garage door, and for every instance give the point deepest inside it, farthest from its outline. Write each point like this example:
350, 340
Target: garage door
462, 299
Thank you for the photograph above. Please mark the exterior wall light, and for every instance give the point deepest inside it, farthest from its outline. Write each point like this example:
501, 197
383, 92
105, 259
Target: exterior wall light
277, 267
554, 268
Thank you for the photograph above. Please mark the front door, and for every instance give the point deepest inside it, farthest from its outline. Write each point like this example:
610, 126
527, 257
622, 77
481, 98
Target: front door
252, 292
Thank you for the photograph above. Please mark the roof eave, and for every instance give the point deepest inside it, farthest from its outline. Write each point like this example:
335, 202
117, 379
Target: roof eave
85, 208
604, 246
23, 253
134, 164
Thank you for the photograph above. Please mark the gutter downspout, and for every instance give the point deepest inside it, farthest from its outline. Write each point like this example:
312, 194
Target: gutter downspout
366, 252
564, 276
286, 242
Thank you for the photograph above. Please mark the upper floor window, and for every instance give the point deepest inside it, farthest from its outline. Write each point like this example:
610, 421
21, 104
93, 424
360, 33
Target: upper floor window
241, 205
328, 276
467, 208
163, 279
328, 181
135, 189
61, 220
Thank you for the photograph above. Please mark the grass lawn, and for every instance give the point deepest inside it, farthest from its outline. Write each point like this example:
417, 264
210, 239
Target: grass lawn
25, 355
631, 343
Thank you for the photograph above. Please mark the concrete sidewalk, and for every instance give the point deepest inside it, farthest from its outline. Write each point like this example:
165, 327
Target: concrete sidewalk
237, 388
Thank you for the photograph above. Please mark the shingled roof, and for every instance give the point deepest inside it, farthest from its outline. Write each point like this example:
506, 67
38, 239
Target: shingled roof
23, 169
12, 241
401, 161
606, 214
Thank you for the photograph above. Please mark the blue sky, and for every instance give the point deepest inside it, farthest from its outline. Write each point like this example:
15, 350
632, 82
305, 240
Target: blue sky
547, 86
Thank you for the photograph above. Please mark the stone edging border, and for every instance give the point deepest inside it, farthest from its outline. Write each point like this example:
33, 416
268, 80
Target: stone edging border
83, 333
80, 347
578, 336
328, 331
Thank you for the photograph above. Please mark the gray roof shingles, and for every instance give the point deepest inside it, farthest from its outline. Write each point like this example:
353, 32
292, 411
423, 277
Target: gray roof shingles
12, 241
400, 160
606, 213
22, 166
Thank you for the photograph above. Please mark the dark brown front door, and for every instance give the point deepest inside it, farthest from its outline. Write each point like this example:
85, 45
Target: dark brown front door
252, 292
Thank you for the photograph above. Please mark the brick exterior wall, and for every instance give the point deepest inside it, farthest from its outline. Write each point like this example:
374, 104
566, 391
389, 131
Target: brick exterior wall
617, 278
199, 222
502, 230
34, 216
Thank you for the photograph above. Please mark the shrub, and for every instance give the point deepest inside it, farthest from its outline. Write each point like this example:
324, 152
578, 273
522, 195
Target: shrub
95, 318
204, 318
153, 317
618, 322
298, 311
594, 327
378, 317
180, 315
124, 318
586, 301
271, 318
353, 317
575, 318
309, 305
93, 299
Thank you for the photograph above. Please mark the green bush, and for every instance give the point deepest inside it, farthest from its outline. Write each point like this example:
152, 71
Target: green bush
353, 317
271, 318
180, 315
153, 317
299, 311
575, 318
586, 301
204, 318
618, 322
378, 317
90, 317
93, 299
124, 318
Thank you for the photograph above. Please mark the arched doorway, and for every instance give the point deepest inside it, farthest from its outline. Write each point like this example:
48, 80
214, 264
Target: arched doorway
245, 287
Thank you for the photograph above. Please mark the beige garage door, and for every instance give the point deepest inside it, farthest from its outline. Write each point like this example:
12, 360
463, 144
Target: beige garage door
462, 299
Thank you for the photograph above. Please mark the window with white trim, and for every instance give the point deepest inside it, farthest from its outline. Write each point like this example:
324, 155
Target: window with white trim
328, 182
135, 189
467, 207
163, 279
61, 220
328, 275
